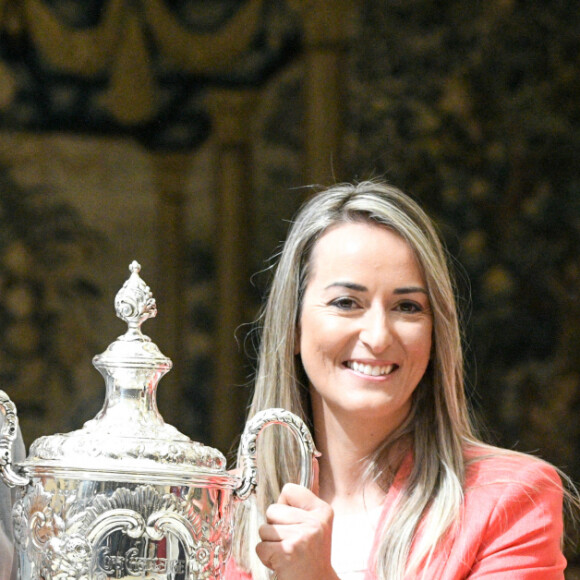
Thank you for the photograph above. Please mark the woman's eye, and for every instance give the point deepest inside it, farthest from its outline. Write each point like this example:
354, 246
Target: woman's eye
344, 303
410, 307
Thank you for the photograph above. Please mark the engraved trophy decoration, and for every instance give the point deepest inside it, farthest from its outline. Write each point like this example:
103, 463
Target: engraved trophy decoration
129, 496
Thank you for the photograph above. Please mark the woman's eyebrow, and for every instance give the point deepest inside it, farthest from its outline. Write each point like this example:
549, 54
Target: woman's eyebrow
361, 288
349, 285
410, 290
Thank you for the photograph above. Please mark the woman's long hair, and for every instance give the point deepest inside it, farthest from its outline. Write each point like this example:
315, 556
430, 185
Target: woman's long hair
438, 425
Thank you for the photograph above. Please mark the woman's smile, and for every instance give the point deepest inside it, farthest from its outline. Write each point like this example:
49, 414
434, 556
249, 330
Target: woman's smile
371, 369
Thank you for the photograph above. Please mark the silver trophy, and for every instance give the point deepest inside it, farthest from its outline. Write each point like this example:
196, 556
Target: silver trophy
129, 496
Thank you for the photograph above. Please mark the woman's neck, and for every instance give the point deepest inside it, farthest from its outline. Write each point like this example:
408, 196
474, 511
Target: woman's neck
346, 453
348, 446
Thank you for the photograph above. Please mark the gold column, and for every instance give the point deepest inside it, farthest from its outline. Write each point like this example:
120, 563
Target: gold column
232, 113
170, 286
326, 36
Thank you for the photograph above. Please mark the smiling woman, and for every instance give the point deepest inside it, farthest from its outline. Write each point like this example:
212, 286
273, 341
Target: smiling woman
361, 338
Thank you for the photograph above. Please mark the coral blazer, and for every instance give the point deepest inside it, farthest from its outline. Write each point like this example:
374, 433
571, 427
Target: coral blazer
511, 524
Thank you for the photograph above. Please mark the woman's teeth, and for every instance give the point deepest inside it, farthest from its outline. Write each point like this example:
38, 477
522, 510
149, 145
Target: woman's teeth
370, 370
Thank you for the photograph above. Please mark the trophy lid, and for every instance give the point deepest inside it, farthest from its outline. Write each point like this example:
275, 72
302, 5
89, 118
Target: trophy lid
128, 440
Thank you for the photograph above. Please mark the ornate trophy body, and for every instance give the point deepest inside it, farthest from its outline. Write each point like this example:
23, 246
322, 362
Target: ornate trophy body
128, 496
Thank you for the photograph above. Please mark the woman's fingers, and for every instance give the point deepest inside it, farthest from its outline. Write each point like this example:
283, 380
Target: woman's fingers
269, 533
297, 535
299, 497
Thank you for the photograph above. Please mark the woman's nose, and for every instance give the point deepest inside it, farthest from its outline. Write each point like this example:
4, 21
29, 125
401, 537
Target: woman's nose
376, 332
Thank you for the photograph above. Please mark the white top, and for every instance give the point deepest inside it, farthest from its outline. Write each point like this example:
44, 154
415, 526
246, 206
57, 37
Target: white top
352, 540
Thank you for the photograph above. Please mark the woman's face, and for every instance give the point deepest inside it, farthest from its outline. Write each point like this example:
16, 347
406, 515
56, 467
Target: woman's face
365, 328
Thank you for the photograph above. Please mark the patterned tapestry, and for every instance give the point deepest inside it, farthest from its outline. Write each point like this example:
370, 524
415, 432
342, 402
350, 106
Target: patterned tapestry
134, 68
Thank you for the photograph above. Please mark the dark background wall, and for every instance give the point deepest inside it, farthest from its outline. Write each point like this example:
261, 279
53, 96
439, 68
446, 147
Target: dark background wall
182, 133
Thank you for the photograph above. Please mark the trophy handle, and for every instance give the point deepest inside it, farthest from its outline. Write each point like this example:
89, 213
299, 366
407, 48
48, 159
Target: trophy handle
253, 428
7, 436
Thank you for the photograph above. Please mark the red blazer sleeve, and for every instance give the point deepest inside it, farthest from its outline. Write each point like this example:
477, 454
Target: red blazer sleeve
521, 534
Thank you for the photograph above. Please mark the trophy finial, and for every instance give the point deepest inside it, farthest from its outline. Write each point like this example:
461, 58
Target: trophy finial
134, 266
134, 303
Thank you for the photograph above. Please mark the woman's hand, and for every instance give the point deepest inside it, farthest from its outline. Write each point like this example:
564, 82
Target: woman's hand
297, 536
